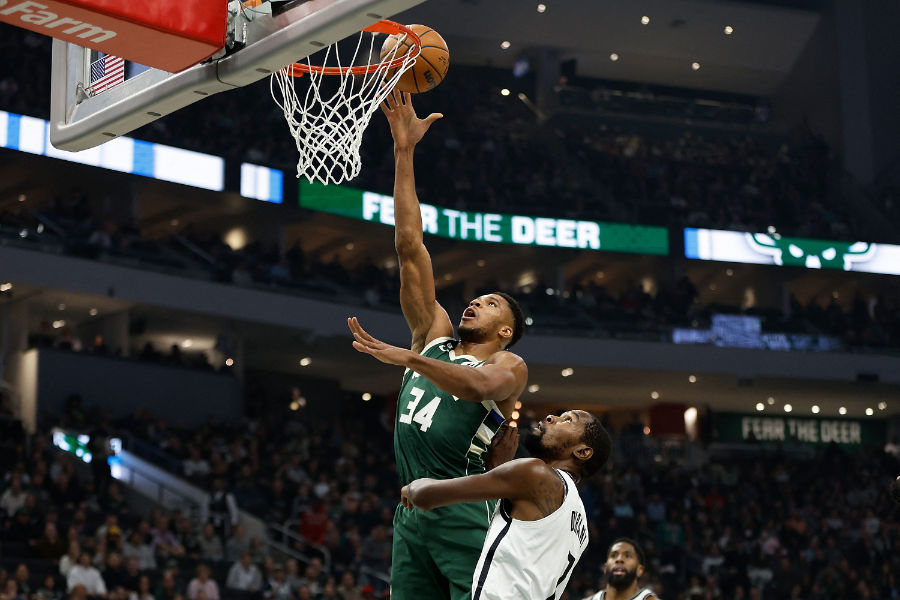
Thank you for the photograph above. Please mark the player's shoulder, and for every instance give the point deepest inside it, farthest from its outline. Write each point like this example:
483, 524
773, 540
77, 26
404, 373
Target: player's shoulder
507, 359
533, 469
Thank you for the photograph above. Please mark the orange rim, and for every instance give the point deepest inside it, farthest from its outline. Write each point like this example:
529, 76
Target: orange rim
385, 26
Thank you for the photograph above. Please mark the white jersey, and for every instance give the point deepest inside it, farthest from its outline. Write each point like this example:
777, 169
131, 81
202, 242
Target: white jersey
531, 559
641, 595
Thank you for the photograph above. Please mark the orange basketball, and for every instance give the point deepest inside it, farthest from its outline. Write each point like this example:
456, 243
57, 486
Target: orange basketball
430, 66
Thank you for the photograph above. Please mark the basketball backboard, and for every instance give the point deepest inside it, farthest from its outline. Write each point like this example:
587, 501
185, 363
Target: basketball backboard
261, 40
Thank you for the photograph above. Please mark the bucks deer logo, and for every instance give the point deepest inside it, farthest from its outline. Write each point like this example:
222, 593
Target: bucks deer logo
812, 254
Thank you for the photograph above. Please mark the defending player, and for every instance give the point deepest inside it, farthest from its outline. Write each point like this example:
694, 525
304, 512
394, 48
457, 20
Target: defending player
539, 530
455, 394
624, 566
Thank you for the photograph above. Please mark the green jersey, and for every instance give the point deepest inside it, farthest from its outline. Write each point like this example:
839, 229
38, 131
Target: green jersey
436, 434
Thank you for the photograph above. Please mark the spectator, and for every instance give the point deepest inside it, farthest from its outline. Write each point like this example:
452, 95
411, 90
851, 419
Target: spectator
23, 579
143, 591
278, 588
167, 589
69, 559
202, 586
138, 546
222, 508
244, 575
50, 545
12, 591
86, 575
49, 591
237, 543
195, 466
209, 544
347, 588
13, 498
115, 574
164, 540
376, 549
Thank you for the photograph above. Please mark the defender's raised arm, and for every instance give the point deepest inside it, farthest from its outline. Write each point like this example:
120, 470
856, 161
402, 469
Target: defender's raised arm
425, 317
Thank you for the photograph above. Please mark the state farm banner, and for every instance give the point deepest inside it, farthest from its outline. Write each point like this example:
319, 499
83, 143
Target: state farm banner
165, 35
775, 249
734, 427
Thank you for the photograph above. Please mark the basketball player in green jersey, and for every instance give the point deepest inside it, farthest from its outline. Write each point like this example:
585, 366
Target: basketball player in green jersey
455, 395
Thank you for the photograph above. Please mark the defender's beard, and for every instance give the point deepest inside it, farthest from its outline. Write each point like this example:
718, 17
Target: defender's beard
623, 581
534, 444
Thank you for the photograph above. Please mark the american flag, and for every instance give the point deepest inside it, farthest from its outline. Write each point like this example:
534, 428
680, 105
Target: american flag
107, 72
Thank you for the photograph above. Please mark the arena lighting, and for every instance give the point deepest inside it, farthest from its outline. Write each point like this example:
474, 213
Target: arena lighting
515, 415
58, 324
505, 44
304, 362
123, 154
534, 388
518, 404
770, 400
760, 406
692, 378
480, 262
815, 409
229, 362
695, 66
646, 430
729, 30
504, 92
645, 20
869, 412
366, 396
542, 8
882, 405
187, 343
5, 287
788, 408
93, 312
529, 321
567, 372
842, 410
61, 306
614, 57
654, 395
295, 405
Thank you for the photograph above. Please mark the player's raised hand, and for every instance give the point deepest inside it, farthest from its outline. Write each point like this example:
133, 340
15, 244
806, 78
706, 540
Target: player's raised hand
503, 446
406, 127
365, 343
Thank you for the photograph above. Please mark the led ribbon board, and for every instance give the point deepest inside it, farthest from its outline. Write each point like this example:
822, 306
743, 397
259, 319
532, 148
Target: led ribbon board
734, 427
775, 249
123, 154
490, 227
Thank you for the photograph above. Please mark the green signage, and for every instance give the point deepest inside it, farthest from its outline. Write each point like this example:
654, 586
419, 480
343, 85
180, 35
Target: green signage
490, 227
731, 427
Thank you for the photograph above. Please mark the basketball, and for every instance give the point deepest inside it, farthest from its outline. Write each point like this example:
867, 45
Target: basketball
431, 65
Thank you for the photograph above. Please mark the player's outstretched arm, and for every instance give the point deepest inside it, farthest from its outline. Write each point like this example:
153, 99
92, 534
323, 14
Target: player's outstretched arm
523, 479
501, 377
425, 317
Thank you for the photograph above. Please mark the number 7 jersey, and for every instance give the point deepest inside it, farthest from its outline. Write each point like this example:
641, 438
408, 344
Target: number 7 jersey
436, 434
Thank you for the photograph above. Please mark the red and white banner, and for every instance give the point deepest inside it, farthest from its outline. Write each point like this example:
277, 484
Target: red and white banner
166, 35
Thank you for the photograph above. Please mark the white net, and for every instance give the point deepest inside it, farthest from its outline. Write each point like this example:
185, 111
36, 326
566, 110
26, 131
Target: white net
328, 127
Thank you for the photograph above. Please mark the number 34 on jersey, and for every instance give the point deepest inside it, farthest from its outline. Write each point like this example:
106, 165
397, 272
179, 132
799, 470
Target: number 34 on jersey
425, 415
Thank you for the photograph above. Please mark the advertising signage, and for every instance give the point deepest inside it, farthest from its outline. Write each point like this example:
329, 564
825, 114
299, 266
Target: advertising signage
734, 427
775, 249
490, 227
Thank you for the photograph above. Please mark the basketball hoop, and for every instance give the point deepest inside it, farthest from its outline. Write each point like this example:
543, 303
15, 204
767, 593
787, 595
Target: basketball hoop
328, 129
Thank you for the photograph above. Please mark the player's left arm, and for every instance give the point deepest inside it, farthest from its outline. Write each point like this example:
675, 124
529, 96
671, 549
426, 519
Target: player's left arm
517, 480
501, 377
